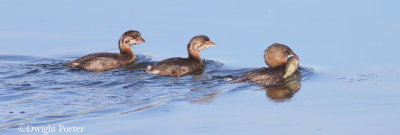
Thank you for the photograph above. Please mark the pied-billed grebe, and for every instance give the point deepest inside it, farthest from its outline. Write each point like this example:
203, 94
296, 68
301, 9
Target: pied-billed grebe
106, 61
177, 67
276, 57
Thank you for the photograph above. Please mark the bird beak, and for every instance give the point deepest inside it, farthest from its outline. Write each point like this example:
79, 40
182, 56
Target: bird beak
297, 57
141, 39
294, 55
211, 43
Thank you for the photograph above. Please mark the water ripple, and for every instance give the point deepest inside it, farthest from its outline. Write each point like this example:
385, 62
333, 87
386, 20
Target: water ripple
39, 91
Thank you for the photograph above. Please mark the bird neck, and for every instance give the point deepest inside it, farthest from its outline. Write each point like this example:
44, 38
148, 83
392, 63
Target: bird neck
194, 55
126, 51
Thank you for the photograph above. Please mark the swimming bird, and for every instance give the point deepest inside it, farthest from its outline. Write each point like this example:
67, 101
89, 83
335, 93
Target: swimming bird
177, 67
276, 57
106, 61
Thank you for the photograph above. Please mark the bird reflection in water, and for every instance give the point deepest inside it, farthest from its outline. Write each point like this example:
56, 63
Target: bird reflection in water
285, 90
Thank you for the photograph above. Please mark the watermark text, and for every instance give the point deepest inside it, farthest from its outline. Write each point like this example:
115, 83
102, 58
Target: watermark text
46, 129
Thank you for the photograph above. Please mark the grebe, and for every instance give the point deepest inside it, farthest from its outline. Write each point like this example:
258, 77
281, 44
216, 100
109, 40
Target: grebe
106, 61
276, 57
177, 67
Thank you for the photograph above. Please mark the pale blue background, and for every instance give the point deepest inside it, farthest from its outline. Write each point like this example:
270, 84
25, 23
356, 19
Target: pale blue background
336, 38
334, 33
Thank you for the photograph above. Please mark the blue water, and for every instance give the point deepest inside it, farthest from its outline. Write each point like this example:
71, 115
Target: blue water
349, 46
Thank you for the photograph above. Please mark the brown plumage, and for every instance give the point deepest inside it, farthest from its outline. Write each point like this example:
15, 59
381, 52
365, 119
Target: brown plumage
107, 61
177, 67
275, 57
